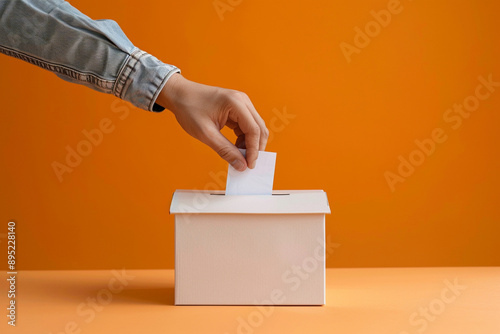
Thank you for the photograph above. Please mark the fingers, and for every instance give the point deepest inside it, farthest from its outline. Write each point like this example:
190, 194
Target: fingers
248, 126
224, 148
264, 132
242, 115
240, 141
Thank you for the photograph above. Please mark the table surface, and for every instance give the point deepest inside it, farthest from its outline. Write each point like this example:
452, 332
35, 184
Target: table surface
364, 300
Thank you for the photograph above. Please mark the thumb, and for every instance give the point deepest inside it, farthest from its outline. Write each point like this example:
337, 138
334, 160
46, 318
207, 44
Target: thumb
225, 149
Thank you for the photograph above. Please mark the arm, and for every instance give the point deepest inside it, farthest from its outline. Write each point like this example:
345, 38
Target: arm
96, 53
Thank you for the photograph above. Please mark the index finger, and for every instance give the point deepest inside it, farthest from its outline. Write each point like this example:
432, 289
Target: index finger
250, 128
264, 132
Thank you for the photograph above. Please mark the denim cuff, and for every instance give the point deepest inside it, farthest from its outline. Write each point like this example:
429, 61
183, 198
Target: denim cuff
141, 80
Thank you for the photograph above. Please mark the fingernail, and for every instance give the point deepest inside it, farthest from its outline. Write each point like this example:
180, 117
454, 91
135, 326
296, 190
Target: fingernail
238, 165
252, 166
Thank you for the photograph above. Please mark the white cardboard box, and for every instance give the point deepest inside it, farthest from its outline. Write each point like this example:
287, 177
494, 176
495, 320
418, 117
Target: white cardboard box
250, 250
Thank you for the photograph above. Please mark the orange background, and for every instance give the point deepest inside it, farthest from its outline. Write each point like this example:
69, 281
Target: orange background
351, 123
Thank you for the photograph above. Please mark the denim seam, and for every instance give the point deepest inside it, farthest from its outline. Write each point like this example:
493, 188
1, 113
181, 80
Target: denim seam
117, 86
126, 71
57, 6
83, 77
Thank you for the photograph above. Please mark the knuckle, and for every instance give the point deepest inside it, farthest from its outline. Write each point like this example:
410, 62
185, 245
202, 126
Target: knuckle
224, 152
256, 130
227, 95
265, 132
236, 94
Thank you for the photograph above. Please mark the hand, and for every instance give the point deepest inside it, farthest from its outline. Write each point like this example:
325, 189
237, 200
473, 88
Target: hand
203, 111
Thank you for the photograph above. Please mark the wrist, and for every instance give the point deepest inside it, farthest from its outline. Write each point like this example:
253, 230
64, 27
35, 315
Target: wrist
170, 92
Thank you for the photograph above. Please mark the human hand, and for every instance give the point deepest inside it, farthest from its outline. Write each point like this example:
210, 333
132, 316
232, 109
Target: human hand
202, 111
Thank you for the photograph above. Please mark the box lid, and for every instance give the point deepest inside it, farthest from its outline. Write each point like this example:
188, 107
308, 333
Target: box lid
280, 202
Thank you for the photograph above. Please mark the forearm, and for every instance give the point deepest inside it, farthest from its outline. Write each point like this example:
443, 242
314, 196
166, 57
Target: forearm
96, 53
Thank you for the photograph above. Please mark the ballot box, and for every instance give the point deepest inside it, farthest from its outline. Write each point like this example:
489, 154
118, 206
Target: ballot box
250, 249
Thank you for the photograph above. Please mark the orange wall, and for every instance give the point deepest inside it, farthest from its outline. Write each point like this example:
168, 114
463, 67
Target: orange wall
351, 123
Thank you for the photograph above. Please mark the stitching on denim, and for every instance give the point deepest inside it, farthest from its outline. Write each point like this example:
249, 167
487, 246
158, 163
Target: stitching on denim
83, 77
117, 86
127, 71
123, 74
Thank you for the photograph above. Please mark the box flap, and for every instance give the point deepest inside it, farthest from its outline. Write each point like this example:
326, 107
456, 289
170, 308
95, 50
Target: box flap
280, 202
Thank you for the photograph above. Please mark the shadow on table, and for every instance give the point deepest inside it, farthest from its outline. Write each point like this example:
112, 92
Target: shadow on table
157, 296
83, 289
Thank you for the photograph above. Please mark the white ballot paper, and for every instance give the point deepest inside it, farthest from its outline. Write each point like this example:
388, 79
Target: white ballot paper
257, 181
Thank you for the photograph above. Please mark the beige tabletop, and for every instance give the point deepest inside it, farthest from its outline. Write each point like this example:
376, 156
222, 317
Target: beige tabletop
372, 300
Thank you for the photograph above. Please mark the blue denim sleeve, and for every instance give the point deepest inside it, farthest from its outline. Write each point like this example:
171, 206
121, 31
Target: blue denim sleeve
54, 35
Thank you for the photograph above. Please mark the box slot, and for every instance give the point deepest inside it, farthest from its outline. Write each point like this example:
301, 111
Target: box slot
237, 195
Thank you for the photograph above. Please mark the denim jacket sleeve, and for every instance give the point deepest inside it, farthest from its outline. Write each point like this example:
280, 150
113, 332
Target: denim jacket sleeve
54, 35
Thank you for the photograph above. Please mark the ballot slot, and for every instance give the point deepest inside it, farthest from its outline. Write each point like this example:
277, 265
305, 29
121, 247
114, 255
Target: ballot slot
282, 201
264, 195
